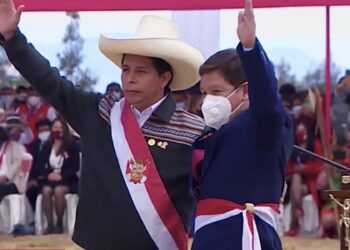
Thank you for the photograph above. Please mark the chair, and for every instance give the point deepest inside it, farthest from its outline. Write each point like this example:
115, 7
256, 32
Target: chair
309, 223
68, 216
15, 208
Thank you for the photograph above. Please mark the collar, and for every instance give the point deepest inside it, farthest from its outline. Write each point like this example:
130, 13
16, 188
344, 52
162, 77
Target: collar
148, 110
162, 110
166, 109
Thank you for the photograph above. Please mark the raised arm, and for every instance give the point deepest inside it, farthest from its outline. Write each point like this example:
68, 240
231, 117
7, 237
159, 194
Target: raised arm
265, 104
263, 93
56, 89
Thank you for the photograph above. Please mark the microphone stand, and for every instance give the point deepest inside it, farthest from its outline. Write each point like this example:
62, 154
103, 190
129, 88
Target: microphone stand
321, 158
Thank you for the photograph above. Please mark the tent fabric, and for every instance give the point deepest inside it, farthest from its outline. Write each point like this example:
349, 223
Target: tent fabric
100, 5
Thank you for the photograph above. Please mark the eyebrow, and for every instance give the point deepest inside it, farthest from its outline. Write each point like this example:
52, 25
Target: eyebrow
137, 67
141, 67
215, 86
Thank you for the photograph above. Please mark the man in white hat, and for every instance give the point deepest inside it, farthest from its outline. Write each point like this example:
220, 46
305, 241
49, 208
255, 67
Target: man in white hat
135, 191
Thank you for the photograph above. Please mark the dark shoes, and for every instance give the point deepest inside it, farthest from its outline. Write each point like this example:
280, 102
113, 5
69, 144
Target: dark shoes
58, 229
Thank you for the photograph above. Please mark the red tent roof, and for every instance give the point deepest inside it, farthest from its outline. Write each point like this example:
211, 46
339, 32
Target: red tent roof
81, 5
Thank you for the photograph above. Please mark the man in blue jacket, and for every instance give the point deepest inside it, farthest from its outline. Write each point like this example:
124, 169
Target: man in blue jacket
241, 178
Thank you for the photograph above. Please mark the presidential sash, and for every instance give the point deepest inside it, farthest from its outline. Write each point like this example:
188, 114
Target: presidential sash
142, 179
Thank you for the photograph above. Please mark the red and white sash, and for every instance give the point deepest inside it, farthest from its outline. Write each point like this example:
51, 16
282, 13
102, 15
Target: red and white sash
142, 179
212, 210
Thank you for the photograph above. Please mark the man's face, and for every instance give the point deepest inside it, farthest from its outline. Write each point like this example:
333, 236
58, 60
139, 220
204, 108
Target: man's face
142, 84
44, 128
112, 89
213, 83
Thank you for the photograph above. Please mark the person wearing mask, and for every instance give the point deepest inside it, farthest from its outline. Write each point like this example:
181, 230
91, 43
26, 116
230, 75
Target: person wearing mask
181, 99
114, 89
6, 97
35, 109
241, 178
59, 160
195, 100
20, 98
18, 130
11, 154
36, 177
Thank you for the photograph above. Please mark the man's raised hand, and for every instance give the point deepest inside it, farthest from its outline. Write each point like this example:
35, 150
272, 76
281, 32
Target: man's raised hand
246, 29
9, 17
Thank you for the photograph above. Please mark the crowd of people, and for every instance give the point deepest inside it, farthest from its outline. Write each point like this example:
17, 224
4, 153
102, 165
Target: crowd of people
138, 150
306, 175
29, 124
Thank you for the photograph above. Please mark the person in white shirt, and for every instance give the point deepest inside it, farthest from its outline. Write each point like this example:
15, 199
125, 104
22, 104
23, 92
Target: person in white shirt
11, 154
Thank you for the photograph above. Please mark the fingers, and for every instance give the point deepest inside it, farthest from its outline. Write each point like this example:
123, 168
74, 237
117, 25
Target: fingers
248, 5
10, 3
240, 17
248, 8
7, 3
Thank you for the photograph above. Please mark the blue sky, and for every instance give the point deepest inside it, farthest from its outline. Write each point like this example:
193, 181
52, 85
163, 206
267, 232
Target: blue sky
295, 34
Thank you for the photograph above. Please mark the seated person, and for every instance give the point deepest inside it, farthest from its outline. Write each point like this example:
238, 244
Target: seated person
60, 163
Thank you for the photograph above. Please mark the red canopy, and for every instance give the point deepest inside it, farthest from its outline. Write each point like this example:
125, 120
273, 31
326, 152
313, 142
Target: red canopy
93, 5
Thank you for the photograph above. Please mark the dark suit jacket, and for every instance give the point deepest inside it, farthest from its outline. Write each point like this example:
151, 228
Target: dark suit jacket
37, 169
106, 216
245, 160
70, 165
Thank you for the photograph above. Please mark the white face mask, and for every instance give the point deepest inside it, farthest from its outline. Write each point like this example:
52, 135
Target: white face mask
217, 110
34, 101
296, 110
44, 136
21, 97
117, 95
181, 105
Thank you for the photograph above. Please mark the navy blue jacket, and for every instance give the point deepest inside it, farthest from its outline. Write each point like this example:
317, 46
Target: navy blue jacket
244, 160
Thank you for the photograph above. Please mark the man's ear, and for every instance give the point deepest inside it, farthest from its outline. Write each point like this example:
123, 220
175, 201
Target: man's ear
165, 78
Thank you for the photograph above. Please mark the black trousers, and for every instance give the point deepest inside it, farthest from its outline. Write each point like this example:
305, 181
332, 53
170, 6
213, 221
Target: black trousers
32, 193
6, 189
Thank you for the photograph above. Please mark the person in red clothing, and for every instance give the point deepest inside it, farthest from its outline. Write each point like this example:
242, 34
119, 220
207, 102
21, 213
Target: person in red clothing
332, 180
35, 109
303, 172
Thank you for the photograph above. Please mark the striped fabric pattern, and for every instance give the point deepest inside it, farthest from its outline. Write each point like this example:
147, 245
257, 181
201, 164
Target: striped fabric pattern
183, 127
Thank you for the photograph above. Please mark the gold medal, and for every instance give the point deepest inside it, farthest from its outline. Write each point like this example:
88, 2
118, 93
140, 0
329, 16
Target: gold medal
151, 142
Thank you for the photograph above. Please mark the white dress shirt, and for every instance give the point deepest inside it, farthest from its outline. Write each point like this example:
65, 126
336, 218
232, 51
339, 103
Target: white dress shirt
142, 117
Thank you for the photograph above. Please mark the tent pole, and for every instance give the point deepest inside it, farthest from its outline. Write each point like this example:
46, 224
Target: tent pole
328, 84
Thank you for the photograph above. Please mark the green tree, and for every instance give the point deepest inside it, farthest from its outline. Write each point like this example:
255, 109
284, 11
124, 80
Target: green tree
317, 77
71, 59
4, 62
283, 73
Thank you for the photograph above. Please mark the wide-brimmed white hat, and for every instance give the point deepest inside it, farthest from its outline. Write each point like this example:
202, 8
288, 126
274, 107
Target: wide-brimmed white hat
13, 121
158, 37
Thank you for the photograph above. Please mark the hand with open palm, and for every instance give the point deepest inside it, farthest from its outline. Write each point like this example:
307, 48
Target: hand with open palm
246, 29
9, 18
